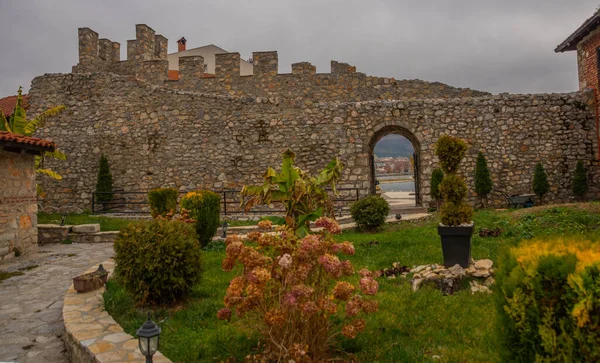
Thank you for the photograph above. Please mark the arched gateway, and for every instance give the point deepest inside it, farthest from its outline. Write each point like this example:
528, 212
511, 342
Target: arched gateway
382, 131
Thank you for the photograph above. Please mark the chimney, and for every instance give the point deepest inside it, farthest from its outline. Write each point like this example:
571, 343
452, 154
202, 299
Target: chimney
181, 44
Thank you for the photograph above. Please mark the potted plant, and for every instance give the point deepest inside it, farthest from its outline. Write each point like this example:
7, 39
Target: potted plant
456, 227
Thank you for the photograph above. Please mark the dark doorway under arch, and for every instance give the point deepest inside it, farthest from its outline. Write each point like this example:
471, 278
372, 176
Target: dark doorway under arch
402, 149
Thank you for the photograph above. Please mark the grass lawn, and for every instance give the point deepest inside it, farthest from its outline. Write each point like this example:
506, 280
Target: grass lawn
409, 327
108, 223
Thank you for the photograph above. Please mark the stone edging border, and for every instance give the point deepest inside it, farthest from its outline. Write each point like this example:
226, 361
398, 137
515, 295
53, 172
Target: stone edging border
92, 335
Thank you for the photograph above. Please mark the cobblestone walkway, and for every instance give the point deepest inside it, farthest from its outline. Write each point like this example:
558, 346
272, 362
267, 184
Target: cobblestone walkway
31, 305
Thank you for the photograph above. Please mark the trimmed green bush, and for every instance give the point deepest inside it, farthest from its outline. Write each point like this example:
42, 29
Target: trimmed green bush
483, 179
450, 150
162, 201
540, 182
580, 185
369, 213
105, 181
204, 207
436, 178
158, 261
454, 212
548, 301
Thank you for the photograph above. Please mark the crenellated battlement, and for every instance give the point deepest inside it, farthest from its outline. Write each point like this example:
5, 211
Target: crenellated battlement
146, 55
147, 61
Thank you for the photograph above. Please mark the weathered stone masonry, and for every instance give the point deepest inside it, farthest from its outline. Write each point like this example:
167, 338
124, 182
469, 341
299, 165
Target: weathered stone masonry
156, 134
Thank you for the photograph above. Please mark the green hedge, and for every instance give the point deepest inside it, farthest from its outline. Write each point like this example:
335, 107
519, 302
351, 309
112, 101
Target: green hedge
369, 213
548, 301
163, 201
204, 207
158, 261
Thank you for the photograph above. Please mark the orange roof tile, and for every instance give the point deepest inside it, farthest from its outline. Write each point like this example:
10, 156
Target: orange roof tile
26, 142
173, 75
7, 104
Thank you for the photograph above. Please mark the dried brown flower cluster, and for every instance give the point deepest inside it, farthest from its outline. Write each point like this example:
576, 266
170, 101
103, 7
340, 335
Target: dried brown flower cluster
286, 282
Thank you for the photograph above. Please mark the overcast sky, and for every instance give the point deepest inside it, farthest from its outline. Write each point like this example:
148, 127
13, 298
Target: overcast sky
496, 46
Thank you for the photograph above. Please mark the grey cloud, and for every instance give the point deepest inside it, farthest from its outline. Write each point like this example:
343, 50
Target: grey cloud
496, 46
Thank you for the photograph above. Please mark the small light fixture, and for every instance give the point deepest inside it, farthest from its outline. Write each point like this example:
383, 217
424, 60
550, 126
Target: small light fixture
63, 219
148, 338
225, 225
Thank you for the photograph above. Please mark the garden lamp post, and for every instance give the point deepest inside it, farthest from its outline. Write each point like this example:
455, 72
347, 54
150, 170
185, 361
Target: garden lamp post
225, 225
148, 338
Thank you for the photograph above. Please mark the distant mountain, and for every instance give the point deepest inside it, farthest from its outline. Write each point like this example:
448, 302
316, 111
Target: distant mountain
393, 145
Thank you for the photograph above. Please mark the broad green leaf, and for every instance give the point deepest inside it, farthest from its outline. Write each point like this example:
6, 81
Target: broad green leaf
40, 120
310, 217
56, 154
4, 126
289, 174
302, 231
18, 120
50, 173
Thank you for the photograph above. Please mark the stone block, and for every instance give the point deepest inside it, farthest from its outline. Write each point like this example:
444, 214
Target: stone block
86, 228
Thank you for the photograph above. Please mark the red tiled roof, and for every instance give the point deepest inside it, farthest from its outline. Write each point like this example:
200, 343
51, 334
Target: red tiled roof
173, 75
7, 104
27, 142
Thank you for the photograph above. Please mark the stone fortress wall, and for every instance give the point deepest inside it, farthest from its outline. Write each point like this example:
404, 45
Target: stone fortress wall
222, 132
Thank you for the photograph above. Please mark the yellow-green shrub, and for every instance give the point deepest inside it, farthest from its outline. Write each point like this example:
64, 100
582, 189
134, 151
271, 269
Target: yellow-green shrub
158, 260
548, 300
204, 208
163, 201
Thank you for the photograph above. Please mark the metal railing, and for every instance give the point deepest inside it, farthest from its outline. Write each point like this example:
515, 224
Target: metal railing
137, 202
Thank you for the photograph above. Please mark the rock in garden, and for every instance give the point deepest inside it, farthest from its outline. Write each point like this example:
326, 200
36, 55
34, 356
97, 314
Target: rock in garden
86, 228
419, 268
457, 270
485, 264
481, 273
416, 283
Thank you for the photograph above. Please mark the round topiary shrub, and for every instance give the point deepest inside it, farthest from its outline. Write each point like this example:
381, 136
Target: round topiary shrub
369, 213
158, 261
455, 211
204, 207
163, 201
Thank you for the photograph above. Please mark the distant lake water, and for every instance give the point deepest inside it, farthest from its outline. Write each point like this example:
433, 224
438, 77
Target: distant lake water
408, 186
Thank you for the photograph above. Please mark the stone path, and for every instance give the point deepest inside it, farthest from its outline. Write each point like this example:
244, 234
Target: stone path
31, 305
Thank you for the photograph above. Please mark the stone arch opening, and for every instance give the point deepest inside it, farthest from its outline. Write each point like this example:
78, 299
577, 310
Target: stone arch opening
416, 155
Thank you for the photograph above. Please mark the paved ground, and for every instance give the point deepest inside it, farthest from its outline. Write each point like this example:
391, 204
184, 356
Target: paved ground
31, 305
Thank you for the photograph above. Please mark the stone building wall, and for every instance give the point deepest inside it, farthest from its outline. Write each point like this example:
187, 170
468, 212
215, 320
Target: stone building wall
155, 136
18, 205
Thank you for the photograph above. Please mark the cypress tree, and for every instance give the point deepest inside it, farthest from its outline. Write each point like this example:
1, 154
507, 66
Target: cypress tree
436, 178
580, 180
540, 182
483, 179
105, 182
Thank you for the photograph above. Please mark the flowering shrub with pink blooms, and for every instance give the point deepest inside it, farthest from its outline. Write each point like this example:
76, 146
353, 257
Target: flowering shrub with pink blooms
287, 290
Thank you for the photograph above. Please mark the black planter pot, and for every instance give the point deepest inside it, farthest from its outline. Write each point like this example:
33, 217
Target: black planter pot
456, 245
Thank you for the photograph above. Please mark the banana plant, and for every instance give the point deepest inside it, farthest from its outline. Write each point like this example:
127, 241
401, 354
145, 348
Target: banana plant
304, 197
17, 123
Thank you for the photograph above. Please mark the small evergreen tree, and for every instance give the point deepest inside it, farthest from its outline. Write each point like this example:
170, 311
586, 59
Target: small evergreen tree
436, 178
540, 182
483, 179
580, 180
105, 182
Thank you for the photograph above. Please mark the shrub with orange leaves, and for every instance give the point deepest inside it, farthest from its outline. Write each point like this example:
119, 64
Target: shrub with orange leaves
548, 299
291, 288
